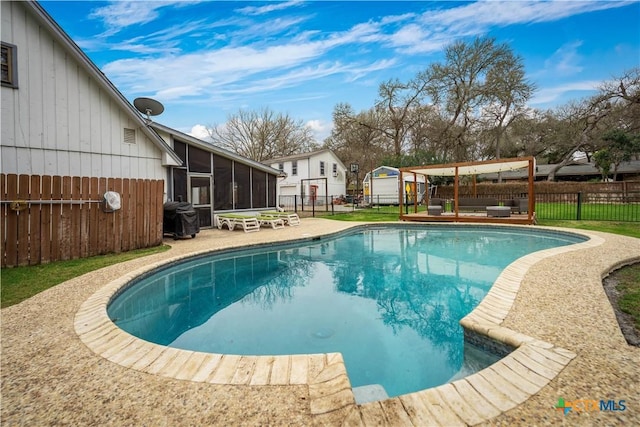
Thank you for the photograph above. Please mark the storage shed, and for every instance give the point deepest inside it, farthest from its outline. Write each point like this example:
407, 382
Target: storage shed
381, 186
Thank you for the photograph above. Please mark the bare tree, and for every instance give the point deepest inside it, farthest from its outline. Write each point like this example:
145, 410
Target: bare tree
507, 92
355, 138
475, 79
262, 135
616, 106
399, 105
579, 124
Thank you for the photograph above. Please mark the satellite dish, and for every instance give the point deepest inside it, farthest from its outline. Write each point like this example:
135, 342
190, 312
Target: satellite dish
148, 106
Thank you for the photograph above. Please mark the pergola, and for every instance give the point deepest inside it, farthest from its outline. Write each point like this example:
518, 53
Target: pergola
471, 168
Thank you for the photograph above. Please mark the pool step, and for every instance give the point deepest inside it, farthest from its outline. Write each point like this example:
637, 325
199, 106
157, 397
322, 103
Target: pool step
369, 393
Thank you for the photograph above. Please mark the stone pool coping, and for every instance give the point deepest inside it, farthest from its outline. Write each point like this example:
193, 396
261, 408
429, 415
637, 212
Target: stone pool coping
49, 376
467, 401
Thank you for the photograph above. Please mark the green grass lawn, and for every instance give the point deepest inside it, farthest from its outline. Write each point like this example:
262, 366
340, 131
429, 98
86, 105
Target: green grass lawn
629, 288
631, 229
20, 283
589, 211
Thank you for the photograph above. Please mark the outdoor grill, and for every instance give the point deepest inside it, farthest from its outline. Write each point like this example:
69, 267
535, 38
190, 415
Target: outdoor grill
180, 219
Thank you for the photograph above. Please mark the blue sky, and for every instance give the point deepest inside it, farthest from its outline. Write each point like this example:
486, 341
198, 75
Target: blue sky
205, 60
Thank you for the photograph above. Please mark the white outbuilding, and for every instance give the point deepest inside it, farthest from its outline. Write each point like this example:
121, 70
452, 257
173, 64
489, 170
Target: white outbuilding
381, 186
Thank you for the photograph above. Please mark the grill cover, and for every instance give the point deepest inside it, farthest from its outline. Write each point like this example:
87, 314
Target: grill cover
180, 219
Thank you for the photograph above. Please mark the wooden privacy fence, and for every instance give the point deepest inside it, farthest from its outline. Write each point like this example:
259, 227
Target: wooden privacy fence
52, 218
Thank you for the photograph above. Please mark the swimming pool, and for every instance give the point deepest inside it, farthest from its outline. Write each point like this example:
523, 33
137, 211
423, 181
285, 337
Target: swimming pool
388, 298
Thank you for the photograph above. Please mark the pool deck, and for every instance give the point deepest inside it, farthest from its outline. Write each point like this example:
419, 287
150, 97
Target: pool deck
62, 363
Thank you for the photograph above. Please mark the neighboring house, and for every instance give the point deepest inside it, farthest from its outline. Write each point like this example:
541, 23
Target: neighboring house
68, 136
383, 188
574, 172
310, 177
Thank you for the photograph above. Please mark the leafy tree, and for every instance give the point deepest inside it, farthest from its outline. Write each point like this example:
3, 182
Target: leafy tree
262, 135
622, 147
603, 159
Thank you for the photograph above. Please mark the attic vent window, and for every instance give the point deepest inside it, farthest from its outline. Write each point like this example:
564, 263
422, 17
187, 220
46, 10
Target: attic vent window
129, 136
8, 65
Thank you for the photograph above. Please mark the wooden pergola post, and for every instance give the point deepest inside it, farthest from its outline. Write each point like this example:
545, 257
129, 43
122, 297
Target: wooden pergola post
456, 193
400, 190
415, 193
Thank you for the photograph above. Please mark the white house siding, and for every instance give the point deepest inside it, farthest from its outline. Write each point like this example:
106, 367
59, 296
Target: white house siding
336, 185
59, 121
309, 168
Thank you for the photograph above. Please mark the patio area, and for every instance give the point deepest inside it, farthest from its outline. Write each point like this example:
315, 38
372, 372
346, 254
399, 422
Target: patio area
50, 376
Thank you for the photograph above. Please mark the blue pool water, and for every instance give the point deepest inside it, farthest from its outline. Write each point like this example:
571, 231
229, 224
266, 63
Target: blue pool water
388, 298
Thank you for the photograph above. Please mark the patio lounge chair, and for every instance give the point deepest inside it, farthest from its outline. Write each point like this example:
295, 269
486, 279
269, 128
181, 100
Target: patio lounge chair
290, 218
248, 223
275, 223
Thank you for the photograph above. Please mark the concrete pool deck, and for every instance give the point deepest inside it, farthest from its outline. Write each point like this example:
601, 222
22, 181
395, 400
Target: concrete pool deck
61, 364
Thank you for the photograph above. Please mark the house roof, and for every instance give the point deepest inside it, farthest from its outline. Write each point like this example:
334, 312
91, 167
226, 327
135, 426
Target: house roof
389, 172
582, 169
170, 158
301, 156
213, 148
383, 172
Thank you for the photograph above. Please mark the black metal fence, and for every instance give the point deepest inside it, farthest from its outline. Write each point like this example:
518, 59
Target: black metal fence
589, 206
576, 206
320, 204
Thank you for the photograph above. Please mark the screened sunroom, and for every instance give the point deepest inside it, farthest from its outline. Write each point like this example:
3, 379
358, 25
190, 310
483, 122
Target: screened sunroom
215, 180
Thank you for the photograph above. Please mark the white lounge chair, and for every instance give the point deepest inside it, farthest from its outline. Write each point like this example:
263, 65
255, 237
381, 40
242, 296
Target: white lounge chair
275, 223
290, 218
248, 223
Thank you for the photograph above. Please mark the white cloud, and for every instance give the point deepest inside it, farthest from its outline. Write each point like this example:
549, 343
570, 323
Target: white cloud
270, 7
408, 35
437, 28
240, 56
123, 14
565, 61
552, 94
483, 14
320, 129
200, 132
210, 71
120, 14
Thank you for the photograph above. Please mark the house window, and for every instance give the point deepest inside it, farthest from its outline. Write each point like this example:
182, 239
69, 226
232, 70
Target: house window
281, 167
8, 65
335, 169
129, 136
294, 168
321, 168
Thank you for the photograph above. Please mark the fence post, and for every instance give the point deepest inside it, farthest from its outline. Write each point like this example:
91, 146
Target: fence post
579, 207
